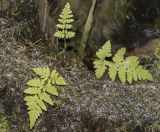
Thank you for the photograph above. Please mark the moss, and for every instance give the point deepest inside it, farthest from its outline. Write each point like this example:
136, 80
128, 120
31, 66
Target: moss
4, 126
157, 23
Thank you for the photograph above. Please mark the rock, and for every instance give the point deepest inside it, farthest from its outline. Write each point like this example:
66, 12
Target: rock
4, 126
87, 104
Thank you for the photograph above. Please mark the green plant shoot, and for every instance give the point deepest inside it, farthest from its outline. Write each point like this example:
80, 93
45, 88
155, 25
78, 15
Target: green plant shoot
65, 25
127, 69
39, 91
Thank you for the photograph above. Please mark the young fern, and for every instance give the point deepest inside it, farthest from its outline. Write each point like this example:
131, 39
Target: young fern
39, 90
65, 25
127, 69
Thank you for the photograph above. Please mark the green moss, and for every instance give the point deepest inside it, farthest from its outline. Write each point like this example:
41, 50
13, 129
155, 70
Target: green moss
157, 23
4, 127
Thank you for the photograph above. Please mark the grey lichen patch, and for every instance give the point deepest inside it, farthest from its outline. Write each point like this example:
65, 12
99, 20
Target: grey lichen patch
4, 126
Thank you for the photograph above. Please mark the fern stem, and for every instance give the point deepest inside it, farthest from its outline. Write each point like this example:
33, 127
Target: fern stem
65, 45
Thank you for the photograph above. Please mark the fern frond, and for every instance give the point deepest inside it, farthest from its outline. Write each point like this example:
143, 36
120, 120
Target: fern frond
35, 83
143, 74
41, 104
69, 21
113, 71
69, 34
56, 79
67, 26
39, 90
134, 74
30, 98
42, 72
66, 18
128, 69
51, 89
34, 109
105, 51
119, 56
122, 74
45, 97
32, 90
33, 116
59, 34
67, 10
131, 62
62, 21
130, 77
100, 66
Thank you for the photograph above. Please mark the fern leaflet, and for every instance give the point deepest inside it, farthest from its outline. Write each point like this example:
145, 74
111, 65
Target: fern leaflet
105, 51
100, 63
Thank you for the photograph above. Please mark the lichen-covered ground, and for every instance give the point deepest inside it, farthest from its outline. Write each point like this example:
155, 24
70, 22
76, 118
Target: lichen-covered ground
87, 104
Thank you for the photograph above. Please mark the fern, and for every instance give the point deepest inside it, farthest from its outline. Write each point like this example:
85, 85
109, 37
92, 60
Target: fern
65, 26
127, 69
100, 63
39, 90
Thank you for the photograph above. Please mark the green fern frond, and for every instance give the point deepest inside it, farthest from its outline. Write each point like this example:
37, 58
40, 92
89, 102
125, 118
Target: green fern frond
113, 69
143, 74
67, 13
100, 66
51, 89
105, 51
119, 56
122, 74
66, 18
100, 63
128, 69
42, 72
69, 34
32, 90
39, 90
45, 97
65, 25
35, 82
41, 104
60, 34
56, 79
